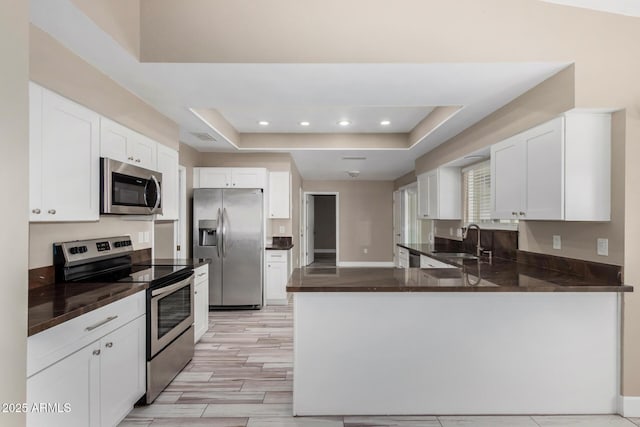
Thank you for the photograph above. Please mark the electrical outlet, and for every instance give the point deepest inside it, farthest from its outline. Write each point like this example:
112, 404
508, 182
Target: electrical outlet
450, 231
281, 229
459, 232
365, 250
603, 247
146, 237
140, 237
557, 242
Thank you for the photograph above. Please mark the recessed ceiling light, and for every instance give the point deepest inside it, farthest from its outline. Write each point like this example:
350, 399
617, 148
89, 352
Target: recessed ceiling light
304, 123
385, 122
263, 123
344, 122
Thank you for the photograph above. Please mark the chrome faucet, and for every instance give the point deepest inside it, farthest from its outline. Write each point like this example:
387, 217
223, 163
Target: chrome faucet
465, 231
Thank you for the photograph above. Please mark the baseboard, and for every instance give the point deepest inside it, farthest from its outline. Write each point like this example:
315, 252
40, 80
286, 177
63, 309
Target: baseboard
629, 406
324, 251
366, 264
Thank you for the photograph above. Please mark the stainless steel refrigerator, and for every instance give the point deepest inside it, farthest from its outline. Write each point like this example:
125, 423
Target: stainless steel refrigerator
228, 228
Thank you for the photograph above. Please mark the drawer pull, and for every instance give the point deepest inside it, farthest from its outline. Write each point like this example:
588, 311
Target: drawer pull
202, 274
96, 352
109, 344
97, 325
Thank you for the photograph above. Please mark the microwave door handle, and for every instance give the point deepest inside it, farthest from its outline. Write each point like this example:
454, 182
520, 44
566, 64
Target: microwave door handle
158, 192
219, 234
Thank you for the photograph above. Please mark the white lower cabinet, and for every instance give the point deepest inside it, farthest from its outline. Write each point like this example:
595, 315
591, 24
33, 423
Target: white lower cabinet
201, 302
97, 384
427, 262
403, 257
277, 276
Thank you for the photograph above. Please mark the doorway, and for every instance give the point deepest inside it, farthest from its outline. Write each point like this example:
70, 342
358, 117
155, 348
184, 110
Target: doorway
320, 229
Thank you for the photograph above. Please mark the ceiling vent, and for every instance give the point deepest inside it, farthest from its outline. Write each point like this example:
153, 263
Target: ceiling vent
203, 136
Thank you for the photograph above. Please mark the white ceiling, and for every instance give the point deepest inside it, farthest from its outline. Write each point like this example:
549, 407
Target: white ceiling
620, 7
280, 93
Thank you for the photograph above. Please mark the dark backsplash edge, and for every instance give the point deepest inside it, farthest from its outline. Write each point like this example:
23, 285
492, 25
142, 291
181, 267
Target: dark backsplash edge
504, 244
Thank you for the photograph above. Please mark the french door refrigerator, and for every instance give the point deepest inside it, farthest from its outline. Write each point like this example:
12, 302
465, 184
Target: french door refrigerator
228, 228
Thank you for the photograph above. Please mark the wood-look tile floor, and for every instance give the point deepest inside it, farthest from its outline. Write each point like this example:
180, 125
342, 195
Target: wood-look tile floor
241, 376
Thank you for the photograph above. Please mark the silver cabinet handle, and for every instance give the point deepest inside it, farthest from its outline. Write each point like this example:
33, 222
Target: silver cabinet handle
522, 213
36, 211
109, 345
201, 274
269, 265
97, 325
514, 213
137, 160
96, 352
227, 184
219, 232
52, 211
130, 158
234, 184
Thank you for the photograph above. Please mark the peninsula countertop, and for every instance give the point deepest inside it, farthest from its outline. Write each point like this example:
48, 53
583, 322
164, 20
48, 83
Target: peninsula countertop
472, 276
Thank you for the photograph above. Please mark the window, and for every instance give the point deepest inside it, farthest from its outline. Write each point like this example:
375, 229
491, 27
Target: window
476, 203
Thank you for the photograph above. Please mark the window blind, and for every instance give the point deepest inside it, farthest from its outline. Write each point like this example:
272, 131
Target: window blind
476, 182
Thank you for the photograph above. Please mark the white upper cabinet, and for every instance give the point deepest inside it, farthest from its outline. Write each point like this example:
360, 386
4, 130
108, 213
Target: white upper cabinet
439, 194
125, 145
168, 166
229, 177
560, 170
64, 164
279, 195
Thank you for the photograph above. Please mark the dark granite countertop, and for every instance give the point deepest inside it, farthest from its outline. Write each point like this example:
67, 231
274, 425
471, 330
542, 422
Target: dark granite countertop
472, 276
278, 247
188, 262
54, 304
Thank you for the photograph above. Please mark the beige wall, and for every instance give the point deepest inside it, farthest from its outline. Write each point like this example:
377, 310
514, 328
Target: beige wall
188, 157
14, 174
405, 179
42, 235
57, 68
118, 18
325, 222
365, 218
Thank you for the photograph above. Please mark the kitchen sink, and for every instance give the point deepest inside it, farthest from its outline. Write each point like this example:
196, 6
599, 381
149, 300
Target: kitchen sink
459, 255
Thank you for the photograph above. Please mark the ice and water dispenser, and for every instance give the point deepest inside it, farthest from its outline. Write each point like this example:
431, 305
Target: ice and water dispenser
208, 232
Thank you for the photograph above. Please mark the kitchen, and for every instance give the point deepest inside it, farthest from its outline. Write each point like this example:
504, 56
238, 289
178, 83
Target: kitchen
57, 68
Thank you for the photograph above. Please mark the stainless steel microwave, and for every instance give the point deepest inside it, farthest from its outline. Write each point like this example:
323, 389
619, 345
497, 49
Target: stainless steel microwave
129, 190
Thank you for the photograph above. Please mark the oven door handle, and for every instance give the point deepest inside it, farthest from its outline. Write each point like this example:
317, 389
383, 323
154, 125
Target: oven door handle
171, 288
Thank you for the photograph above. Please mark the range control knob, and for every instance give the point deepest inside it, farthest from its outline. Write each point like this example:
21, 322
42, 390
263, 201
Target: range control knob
73, 250
117, 244
82, 249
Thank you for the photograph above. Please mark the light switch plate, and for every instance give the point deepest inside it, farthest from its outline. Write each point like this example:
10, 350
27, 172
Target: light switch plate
366, 250
459, 232
603, 247
281, 229
557, 242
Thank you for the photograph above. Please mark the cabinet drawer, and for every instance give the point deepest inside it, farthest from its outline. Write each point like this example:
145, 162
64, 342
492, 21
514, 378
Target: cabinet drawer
51, 345
276, 256
201, 274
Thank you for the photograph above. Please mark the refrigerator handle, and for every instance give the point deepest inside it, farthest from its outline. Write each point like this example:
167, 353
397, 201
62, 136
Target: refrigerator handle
219, 233
224, 231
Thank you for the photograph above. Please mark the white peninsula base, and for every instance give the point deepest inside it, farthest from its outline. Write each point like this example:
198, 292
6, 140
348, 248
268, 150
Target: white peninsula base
409, 353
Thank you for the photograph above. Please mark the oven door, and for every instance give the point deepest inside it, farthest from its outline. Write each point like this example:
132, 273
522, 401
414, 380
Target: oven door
128, 189
171, 313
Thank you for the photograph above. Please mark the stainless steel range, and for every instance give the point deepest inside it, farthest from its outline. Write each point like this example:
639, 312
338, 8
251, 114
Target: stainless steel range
170, 316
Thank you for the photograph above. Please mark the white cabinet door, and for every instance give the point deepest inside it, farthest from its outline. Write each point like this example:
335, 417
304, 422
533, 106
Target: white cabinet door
122, 371
403, 258
168, 166
114, 139
201, 309
507, 178
143, 151
64, 146
35, 152
248, 177
125, 145
428, 195
544, 180
279, 195
212, 178
276, 281
74, 381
